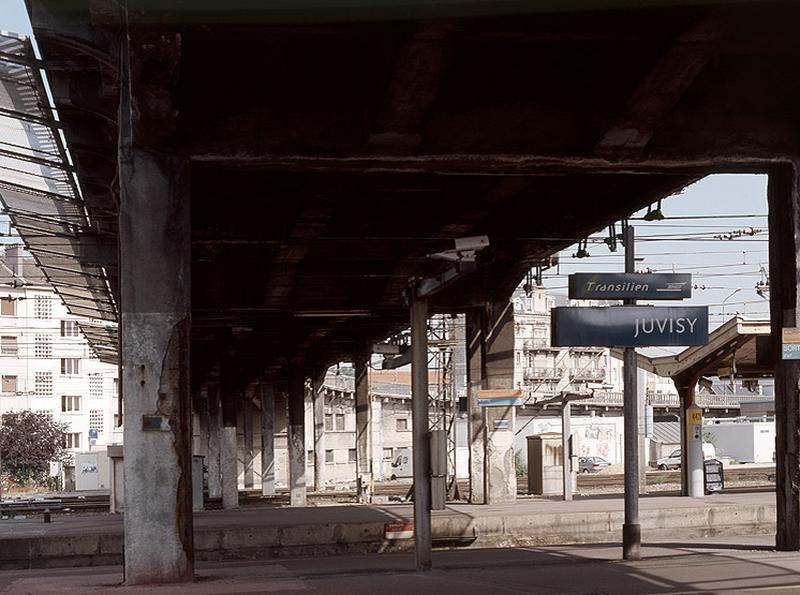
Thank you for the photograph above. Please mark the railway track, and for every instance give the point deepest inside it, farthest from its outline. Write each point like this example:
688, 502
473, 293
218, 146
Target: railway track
586, 482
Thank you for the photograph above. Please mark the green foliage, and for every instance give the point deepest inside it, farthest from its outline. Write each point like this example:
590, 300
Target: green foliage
520, 467
28, 442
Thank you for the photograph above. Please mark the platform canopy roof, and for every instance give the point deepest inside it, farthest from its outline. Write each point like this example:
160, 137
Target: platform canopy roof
335, 148
40, 191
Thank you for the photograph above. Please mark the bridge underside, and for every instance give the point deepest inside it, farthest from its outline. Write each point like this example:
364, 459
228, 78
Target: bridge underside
277, 178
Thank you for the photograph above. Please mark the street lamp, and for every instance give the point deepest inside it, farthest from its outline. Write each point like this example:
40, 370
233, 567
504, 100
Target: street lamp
734, 292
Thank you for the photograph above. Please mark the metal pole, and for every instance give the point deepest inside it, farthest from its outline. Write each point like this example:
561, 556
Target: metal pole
420, 431
566, 455
631, 530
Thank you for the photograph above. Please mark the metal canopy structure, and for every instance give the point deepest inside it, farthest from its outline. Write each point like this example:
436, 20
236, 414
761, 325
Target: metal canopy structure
40, 192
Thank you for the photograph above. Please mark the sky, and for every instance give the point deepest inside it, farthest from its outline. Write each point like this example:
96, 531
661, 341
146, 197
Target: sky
725, 272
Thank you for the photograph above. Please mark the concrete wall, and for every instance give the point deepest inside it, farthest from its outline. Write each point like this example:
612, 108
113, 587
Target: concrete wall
592, 435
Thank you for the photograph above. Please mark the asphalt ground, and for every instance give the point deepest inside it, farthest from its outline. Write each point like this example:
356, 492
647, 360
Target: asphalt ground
711, 565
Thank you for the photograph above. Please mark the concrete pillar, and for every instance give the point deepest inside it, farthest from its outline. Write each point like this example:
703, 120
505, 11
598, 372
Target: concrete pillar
247, 427
318, 415
363, 412
501, 478
154, 227
267, 439
476, 427
228, 460
784, 253
214, 433
297, 439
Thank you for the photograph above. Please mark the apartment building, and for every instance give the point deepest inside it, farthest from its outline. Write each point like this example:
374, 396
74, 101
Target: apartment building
46, 364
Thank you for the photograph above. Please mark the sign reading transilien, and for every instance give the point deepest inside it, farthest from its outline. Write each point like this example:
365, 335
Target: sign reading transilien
791, 343
637, 286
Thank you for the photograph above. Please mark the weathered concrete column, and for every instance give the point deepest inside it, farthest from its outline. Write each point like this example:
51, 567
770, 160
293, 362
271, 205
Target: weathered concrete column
247, 427
214, 430
228, 460
784, 258
318, 415
154, 229
297, 438
267, 439
363, 425
476, 429
501, 478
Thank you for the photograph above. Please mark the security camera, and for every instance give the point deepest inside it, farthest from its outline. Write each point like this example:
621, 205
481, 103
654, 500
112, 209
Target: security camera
464, 249
471, 243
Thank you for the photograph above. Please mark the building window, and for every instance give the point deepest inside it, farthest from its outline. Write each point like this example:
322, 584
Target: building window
42, 307
8, 307
310, 458
388, 454
328, 422
69, 328
96, 421
116, 386
340, 422
70, 366
329, 456
42, 345
402, 424
9, 384
70, 403
95, 386
43, 384
351, 455
72, 440
8, 345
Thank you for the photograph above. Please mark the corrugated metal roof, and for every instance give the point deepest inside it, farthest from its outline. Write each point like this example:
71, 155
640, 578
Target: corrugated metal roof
41, 195
667, 432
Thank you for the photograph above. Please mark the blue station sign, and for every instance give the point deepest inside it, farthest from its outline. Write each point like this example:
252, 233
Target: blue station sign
622, 286
629, 326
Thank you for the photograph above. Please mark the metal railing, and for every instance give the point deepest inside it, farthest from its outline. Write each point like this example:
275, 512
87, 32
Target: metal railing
543, 373
590, 374
537, 343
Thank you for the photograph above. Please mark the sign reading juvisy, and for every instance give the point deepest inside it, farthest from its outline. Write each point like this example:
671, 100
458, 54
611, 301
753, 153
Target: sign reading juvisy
629, 326
621, 286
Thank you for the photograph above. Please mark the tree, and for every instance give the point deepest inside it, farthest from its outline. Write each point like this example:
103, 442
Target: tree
28, 442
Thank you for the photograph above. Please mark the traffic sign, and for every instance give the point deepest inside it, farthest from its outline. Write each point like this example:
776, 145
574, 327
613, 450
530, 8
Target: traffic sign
638, 286
629, 326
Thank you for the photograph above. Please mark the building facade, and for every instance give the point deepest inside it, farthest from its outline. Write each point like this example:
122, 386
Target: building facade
46, 365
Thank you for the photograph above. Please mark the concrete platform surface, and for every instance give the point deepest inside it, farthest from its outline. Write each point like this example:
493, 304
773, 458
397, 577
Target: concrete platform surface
710, 565
264, 532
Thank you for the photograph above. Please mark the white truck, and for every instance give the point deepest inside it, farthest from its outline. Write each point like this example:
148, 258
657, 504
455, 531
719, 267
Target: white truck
744, 442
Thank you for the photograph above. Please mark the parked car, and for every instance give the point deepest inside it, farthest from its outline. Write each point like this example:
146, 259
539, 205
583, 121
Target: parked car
673, 461
591, 464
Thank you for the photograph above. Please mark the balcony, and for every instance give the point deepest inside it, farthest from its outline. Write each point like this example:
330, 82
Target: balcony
543, 373
538, 343
587, 375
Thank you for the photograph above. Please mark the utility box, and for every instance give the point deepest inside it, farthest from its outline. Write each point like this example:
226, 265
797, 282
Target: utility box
713, 476
117, 479
91, 471
197, 483
545, 476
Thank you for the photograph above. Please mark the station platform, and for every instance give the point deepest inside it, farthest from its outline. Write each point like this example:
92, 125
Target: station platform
279, 532
723, 566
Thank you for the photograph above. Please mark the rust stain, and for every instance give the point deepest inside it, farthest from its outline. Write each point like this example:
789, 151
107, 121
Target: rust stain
175, 398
